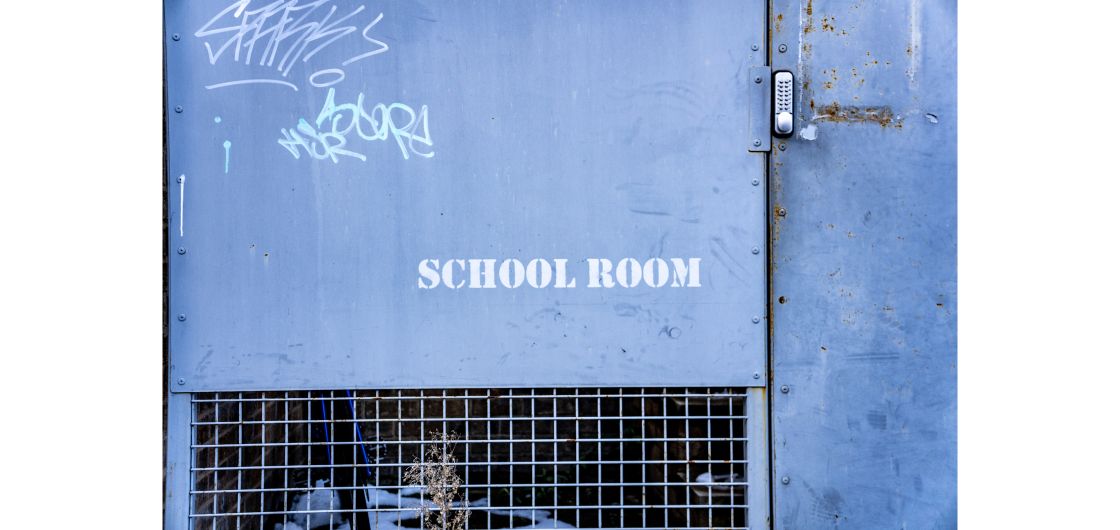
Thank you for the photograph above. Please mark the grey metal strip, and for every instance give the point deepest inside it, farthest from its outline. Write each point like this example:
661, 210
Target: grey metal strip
758, 96
176, 507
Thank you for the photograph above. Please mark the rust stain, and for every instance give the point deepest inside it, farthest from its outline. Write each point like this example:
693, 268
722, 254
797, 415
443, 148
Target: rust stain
775, 190
828, 23
833, 112
775, 233
778, 23
828, 85
808, 28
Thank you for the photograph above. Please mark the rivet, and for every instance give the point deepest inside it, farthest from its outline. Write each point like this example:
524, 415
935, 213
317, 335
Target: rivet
182, 250
182, 381
754, 182
182, 317
781, 212
785, 389
785, 480
175, 36
782, 147
782, 48
755, 250
756, 320
757, 142
754, 47
757, 376
757, 79
178, 108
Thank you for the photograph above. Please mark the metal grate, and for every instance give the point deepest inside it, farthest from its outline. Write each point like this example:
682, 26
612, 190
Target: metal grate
541, 458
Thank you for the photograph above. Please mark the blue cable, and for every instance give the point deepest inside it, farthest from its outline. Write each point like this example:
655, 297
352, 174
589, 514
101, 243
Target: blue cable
358, 433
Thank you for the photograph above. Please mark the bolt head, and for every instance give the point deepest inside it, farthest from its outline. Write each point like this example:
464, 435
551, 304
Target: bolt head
781, 212
175, 36
756, 320
182, 251
785, 389
782, 147
755, 250
782, 48
756, 375
757, 79
178, 108
182, 317
754, 47
179, 179
757, 142
754, 182
785, 480
182, 381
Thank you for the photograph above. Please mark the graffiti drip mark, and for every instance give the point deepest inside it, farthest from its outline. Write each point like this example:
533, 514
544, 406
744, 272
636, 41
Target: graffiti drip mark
182, 188
227, 144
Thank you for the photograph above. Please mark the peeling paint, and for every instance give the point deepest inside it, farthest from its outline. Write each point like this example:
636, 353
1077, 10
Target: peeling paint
808, 132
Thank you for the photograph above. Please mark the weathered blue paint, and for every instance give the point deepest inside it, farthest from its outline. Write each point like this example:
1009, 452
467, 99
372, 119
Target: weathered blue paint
864, 279
569, 130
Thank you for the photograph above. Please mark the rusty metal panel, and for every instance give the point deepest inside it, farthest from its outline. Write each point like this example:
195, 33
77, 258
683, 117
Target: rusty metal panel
417, 194
863, 250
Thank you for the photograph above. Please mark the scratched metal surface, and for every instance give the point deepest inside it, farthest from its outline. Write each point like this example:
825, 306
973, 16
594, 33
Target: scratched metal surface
521, 130
864, 279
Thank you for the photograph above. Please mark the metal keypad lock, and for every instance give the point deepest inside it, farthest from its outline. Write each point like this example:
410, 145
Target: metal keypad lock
783, 103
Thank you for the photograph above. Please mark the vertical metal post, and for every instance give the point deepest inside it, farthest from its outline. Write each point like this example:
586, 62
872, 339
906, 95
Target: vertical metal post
758, 457
177, 496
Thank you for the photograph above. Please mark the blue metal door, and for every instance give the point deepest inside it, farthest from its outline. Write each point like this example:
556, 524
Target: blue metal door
864, 266
475, 193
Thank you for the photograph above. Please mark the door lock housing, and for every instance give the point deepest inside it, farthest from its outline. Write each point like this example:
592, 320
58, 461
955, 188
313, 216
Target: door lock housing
783, 103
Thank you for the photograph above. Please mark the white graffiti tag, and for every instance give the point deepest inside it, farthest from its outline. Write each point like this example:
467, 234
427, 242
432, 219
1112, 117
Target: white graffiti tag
328, 137
283, 33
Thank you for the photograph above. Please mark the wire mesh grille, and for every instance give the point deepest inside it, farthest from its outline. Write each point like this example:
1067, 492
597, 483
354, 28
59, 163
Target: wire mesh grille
503, 458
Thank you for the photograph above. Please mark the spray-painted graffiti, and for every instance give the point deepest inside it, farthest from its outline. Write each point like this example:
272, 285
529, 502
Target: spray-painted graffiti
283, 33
329, 136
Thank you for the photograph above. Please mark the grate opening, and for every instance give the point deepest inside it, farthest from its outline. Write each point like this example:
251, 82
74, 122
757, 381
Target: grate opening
525, 458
